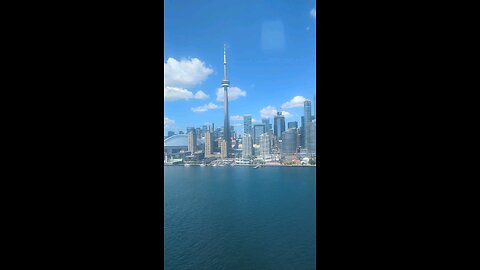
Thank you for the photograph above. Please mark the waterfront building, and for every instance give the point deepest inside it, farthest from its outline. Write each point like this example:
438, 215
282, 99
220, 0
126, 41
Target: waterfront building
192, 141
247, 146
223, 147
307, 106
258, 130
265, 147
289, 141
208, 144
247, 124
278, 125
312, 142
293, 124
225, 84
180, 132
170, 134
302, 132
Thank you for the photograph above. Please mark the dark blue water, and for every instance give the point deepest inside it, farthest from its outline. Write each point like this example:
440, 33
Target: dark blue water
239, 218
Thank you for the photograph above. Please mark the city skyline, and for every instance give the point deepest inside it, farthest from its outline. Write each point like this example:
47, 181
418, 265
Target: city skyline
265, 77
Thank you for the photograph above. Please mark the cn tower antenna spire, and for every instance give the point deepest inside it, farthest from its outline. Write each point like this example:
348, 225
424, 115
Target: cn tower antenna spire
224, 61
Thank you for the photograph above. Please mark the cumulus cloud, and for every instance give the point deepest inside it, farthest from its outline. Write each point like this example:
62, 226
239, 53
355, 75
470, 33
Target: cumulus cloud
313, 13
270, 111
233, 93
168, 122
185, 73
236, 118
200, 95
295, 102
177, 93
206, 107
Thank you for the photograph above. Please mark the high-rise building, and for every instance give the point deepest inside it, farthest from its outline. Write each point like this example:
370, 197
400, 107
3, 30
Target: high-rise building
302, 133
289, 141
265, 147
247, 146
208, 144
247, 124
307, 106
223, 148
293, 124
268, 126
278, 125
312, 139
226, 124
198, 132
258, 130
192, 141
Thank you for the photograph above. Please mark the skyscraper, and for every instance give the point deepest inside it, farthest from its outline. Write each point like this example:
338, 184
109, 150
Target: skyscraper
265, 147
268, 126
307, 106
192, 141
208, 144
247, 124
312, 140
293, 124
223, 148
226, 123
247, 146
289, 141
302, 133
278, 125
258, 130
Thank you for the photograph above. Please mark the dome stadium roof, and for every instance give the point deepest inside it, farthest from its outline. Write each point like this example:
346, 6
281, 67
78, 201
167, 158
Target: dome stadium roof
179, 140
176, 140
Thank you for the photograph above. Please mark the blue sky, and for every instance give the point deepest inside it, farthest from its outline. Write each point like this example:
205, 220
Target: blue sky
270, 54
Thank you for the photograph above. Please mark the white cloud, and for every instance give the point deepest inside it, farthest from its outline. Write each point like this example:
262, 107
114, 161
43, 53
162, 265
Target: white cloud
185, 73
270, 112
168, 122
236, 118
176, 93
295, 102
200, 95
254, 120
313, 12
206, 107
233, 93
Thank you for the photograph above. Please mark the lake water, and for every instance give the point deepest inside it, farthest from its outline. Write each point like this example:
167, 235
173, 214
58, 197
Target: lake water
239, 218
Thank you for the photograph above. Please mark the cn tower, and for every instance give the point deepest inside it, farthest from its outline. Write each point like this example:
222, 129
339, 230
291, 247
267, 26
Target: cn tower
226, 122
